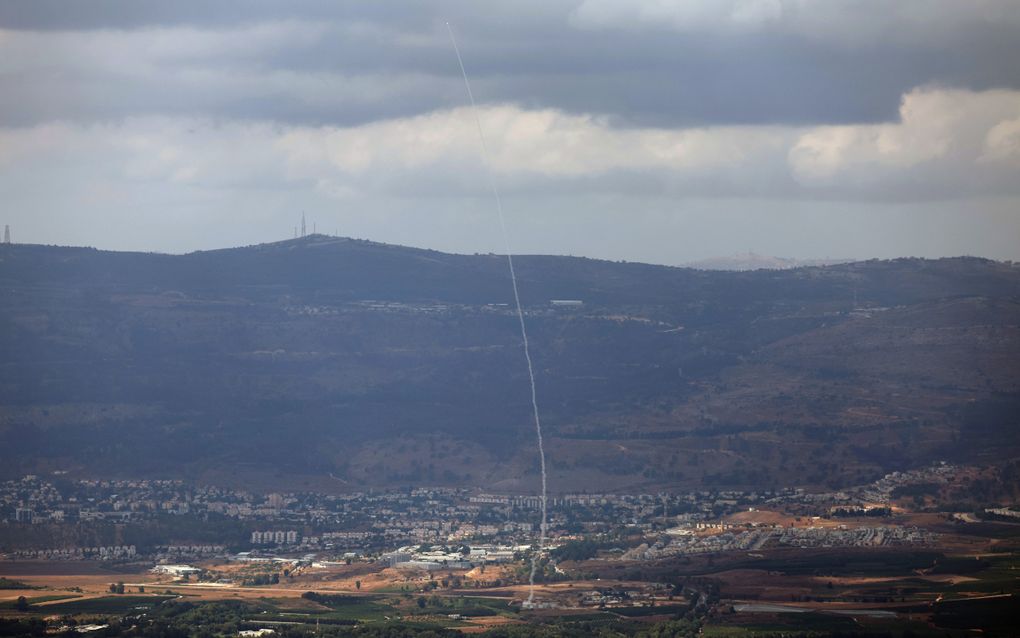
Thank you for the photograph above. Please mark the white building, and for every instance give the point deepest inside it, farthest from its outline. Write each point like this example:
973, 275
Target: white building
176, 570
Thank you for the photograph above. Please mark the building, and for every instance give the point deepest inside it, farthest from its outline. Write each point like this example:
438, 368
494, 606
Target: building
278, 537
176, 570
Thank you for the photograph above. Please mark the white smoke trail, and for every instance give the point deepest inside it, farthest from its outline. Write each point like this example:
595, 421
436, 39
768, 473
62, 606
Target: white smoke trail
520, 313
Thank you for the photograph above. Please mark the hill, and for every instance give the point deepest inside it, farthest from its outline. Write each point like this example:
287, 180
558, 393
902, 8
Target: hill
754, 261
344, 363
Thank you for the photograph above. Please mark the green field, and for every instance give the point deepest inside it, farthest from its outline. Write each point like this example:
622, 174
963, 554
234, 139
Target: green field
1000, 574
7, 583
638, 612
107, 605
801, 624
12, 604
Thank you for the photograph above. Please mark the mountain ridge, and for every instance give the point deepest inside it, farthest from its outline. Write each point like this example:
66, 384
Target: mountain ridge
384, 365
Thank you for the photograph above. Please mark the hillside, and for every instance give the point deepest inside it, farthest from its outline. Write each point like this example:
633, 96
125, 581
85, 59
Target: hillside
754, 261
376, 365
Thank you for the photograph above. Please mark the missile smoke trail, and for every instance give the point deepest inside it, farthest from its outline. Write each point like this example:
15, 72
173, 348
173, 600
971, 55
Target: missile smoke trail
520, 311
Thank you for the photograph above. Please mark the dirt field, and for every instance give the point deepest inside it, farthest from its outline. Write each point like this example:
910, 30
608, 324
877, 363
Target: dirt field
59, 577
485, 623
90, 580
771, 517
29, 568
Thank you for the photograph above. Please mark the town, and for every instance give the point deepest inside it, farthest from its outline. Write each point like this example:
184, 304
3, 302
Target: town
104, 550
358, 524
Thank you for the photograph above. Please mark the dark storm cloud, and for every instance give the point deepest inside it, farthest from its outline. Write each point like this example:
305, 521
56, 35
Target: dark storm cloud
533, 54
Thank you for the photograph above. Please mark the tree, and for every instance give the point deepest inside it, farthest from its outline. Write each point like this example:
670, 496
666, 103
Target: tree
357, 585
22, 604
422, 602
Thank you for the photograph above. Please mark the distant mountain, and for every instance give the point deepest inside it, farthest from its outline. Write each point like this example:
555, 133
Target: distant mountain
754, 261
329, 362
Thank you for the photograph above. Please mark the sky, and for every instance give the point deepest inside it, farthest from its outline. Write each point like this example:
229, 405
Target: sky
665, 131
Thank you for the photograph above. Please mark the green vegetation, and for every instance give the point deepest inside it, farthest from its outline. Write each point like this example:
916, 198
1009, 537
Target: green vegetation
661, 610
107, 605
258, 580
7, 583
996, 614
380, 617
576, 550
22, 627
408, 359
332, 600
998, 576
917, 489
848, 562
34, 600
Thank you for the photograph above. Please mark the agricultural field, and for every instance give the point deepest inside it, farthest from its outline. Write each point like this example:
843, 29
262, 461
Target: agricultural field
864, 592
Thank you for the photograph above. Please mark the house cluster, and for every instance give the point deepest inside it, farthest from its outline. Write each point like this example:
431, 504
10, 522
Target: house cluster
616, 597
881, 491
1003, 511
276, 524
764, 537
112, 552
355, 519
276, 537
166, 553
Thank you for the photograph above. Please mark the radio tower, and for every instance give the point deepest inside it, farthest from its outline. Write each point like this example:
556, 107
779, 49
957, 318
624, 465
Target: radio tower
303, 233
7, 233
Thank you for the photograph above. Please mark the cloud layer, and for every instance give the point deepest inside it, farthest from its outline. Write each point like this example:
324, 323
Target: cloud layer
146, 117
637, 62
946, 144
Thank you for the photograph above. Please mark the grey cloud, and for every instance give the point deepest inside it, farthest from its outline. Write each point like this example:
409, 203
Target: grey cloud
527, 54
132, 14
158, 125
